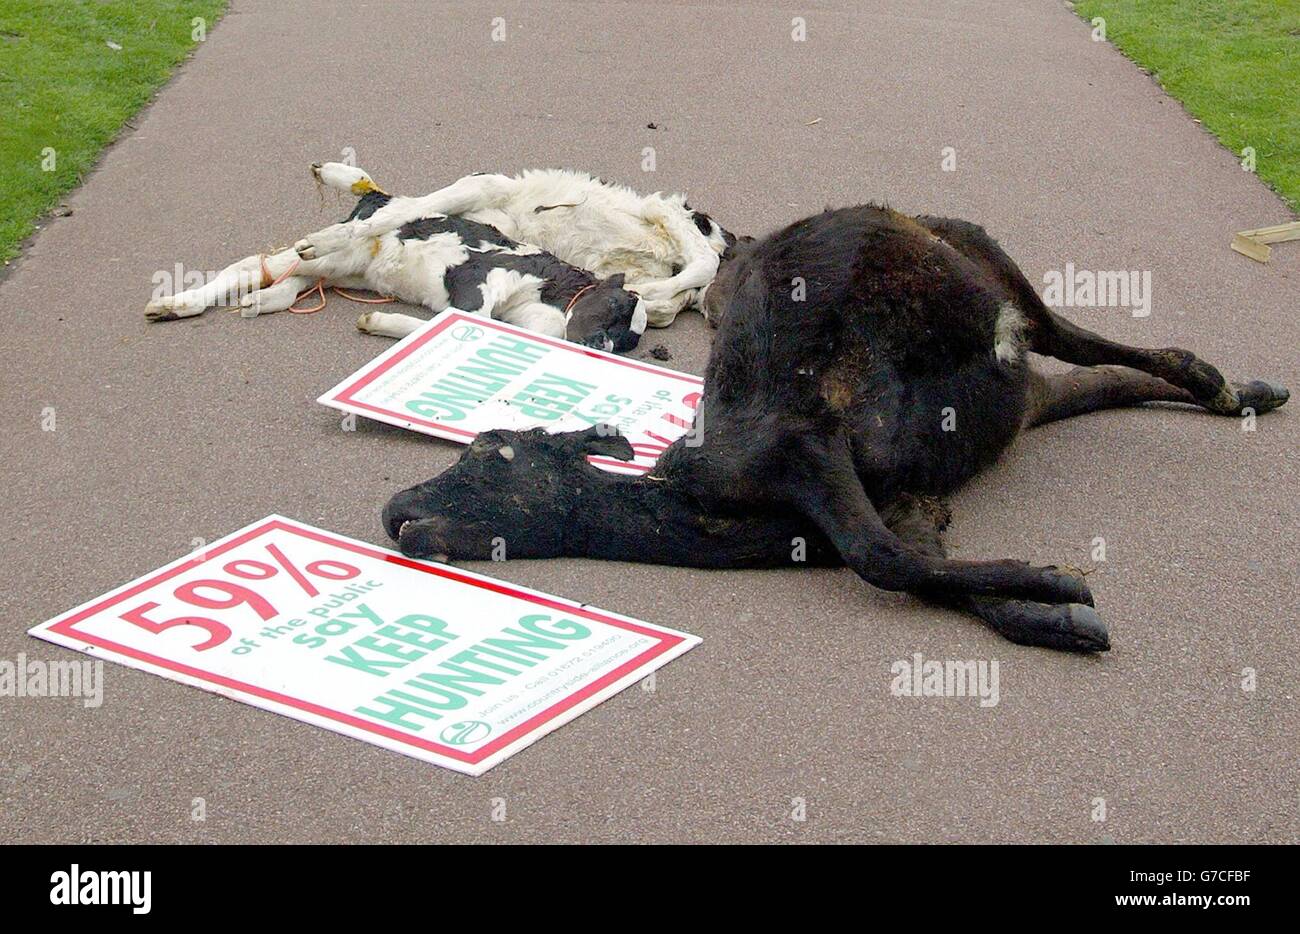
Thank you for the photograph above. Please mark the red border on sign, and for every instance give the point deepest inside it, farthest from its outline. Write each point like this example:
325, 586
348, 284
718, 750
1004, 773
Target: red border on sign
66, 627
346, 393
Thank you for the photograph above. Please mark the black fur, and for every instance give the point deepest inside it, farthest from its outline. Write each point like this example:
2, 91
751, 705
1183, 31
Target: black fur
368, 204
562, 281
602, 315
472, 233
849, 344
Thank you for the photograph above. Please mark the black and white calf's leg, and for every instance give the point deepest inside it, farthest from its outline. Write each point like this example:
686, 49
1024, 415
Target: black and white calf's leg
229, 287
248, 284
471, 193
920, 521
389, 324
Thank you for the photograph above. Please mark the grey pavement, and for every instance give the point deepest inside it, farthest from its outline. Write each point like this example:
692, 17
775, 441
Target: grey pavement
1065, 151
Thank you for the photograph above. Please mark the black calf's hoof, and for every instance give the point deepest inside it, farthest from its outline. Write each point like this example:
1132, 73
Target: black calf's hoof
1260, 396
1068, 627
1069, 585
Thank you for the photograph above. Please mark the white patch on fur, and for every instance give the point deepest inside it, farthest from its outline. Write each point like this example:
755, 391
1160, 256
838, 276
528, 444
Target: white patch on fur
535, 316
1009, 333
415, 270
523, 249
505, 290
507, 452
638, 318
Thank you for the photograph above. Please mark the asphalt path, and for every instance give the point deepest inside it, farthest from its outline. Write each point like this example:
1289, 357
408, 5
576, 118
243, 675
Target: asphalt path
1064, 150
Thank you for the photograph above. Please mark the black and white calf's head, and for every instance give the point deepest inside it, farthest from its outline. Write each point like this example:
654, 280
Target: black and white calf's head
606, 316
343, 177
509, 488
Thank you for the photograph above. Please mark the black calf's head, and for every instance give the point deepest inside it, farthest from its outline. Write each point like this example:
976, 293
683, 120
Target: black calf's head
717, 294
510, 494
606, 316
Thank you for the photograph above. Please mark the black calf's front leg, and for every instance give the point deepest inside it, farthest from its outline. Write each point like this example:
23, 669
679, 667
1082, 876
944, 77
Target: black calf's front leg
822, 483
1070, 627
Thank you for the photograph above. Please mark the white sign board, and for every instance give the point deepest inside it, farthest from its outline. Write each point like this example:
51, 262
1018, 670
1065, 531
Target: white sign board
461, 374
433, 661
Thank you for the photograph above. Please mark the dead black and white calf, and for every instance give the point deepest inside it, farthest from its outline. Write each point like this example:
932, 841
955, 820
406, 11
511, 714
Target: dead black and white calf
827, 420
667, 250
439, 262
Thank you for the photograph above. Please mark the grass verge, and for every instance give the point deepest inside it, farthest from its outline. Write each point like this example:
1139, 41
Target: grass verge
71, 73
1234, 64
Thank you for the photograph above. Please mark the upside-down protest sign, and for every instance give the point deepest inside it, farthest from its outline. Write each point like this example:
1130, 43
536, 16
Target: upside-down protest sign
448, 666
461, 374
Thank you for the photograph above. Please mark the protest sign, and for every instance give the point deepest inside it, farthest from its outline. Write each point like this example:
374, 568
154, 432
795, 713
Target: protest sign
461, 374
442, 664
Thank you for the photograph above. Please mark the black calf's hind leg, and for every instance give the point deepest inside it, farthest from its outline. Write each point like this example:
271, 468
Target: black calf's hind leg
1055, 336
1072, 627
1092, 388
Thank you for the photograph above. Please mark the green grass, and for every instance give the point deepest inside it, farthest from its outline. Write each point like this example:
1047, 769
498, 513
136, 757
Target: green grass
62, 88
1234, 64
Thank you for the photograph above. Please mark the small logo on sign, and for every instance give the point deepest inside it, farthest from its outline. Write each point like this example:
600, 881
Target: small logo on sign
466, 333
466, 732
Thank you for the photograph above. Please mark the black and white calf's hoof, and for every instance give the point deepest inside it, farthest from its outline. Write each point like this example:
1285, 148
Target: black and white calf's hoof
174, 307
1068, 627
324, 242
385, 324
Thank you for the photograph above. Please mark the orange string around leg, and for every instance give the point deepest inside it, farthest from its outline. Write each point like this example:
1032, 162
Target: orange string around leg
268, 281
382, 300
318, 288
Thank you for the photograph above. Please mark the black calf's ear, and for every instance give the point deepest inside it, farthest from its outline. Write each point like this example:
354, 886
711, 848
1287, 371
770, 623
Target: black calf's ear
616, 280
607, 442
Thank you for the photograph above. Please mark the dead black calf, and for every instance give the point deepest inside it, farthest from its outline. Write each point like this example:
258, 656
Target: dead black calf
866, 364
